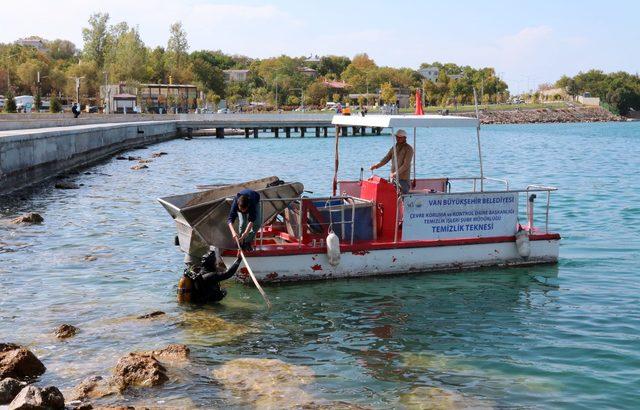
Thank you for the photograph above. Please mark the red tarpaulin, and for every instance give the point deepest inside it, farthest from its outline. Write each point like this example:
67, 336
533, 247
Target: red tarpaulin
419, 103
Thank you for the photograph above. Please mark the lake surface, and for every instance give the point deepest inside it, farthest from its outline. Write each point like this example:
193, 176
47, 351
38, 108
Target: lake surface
562, 336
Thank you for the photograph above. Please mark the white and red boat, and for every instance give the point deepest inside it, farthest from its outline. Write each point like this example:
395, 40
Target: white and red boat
444, 223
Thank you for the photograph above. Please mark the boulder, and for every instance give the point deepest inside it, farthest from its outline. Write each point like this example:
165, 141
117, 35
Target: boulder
18, 362
139, 167
138, 370
35, 398
66, 185
9, 388
65, 331
130, 158
30, 218
121, 158
145, 161
158, 154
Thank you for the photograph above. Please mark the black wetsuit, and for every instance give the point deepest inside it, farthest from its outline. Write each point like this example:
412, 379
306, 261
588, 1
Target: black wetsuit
206, 283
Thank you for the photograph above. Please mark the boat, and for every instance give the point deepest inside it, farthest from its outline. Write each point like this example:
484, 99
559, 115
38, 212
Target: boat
444, 223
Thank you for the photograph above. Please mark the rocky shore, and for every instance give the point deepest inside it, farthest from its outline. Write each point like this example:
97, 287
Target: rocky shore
545, 115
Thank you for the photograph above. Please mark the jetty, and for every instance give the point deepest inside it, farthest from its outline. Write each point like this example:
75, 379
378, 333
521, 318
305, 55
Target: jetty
34, 148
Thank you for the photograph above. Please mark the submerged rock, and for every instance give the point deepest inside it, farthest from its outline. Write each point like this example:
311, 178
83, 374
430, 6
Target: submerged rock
66, 185
172, 353
139, 167
138, 370
65, 331
35, 398
9, 388
19, 363
94, 387
121, 158
424, 397
145, 161
158, 154
130, 158
30, 218
266, 383
151, 315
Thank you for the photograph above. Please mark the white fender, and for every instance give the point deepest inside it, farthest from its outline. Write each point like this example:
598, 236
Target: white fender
333, 249
522, 243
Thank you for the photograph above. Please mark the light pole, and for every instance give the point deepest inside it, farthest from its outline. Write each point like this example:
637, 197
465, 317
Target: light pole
107, 92
78, 88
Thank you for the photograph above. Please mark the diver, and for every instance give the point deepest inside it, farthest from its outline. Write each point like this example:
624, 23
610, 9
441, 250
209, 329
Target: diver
201, 284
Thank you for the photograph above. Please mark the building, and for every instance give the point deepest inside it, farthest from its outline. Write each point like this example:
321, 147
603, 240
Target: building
312, 59
554, 94
236, 75
33, 41
157, 98
309, 72
430, 73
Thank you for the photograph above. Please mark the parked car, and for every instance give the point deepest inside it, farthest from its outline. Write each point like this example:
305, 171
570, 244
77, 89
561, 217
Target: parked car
223, 111
92, 108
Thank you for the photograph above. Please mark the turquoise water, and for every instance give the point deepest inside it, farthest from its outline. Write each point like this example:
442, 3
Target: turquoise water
563, 336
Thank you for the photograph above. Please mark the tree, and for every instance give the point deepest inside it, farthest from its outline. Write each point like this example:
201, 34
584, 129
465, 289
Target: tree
177, 48
156, 66
61, 49
388, 93
127, 58
54, 104
96, 38
28, 73
333, 65
9, 102
316, 93
205, 72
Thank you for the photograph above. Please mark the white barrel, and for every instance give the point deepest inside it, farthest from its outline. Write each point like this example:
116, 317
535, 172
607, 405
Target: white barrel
523, 244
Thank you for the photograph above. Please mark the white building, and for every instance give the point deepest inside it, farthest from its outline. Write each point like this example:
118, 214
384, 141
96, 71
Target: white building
236, 75
36, 42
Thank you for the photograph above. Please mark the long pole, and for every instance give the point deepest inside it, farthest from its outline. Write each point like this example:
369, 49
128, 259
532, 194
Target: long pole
253, 277
475, 98
276, 94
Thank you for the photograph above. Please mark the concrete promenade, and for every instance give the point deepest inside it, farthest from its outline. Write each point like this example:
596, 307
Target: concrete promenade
49, 146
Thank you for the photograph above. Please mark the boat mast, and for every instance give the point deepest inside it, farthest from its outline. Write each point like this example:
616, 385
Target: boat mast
336, 163
475, 98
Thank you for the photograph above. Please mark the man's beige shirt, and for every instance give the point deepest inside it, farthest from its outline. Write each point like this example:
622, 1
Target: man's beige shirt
405, 156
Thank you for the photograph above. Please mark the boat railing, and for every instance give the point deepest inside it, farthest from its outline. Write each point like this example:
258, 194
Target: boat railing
530, 191
475, 181
305, 206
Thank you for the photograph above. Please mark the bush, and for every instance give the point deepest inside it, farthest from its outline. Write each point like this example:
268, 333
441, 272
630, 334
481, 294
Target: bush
10, 103
55, 105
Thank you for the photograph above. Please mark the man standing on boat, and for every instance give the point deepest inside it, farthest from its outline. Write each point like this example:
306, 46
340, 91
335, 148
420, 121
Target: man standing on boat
404, 156
246, 207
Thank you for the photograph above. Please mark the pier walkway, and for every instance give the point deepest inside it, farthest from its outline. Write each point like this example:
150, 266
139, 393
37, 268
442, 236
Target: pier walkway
40, 147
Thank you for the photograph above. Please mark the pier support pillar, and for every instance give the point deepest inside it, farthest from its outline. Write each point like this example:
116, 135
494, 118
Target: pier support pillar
364, 131
317, 132
255, 132
324, 132
219, 132
354, 130
302, 131
287, 132
275, 132
344, 131
246, 132
295, 129
378, 130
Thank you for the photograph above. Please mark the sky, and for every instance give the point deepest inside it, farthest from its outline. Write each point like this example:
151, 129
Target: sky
527, 42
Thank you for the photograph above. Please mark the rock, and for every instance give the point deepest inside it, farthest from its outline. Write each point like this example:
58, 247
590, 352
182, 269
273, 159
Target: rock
172, 353
94, 387
130, 158
138, 370
30, 218
139, 167
145, 161
121, 158
151, 315
18, 362
158, 154
35, 398
9, 388
66, 185
90, 258
65, 331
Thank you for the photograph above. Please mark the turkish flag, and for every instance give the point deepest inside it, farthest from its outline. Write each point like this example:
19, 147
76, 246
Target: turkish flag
419, 103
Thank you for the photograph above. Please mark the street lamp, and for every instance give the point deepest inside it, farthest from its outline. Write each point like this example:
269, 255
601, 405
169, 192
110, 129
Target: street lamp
78, 88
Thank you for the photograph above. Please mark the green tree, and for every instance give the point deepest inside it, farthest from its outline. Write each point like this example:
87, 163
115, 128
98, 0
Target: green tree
62, 49
333, 65
96, 38
316, 92
177, 48
157, 66
9, 102
127, 58
54, 104
205, 71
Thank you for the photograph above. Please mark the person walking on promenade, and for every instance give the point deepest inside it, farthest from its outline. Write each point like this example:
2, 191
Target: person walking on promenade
75, 109
403, 160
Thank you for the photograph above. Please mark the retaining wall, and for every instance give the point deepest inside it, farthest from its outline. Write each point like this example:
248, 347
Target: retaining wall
27, 157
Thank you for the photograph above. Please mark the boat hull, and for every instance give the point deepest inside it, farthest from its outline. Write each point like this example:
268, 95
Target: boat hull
301, 266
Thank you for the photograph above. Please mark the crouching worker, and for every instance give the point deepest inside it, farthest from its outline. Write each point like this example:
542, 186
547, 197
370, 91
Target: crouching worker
201, 284
246, 207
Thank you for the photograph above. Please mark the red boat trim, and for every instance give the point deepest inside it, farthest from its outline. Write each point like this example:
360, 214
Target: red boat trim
364, 247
